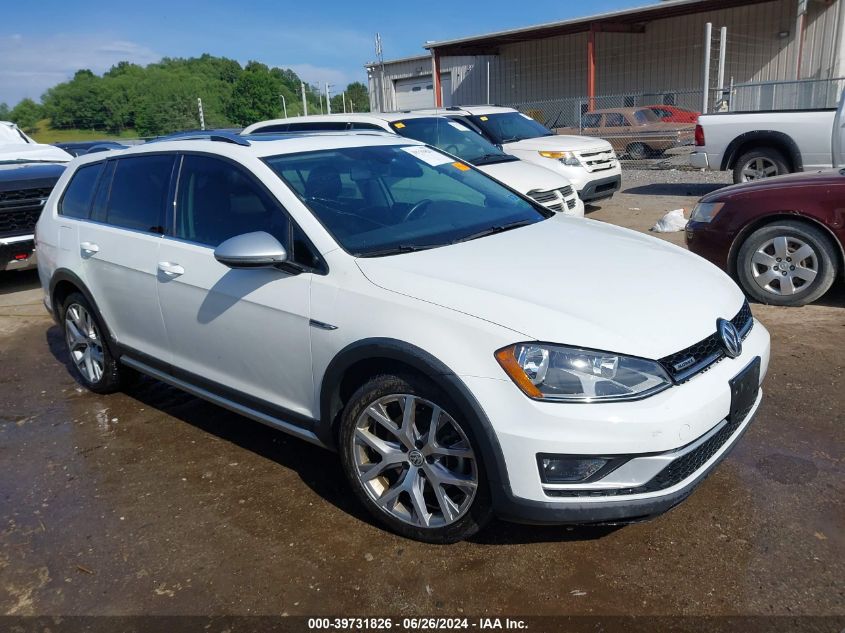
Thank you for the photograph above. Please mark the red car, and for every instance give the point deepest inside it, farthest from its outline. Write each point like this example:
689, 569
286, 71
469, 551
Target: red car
780, 238
671, 114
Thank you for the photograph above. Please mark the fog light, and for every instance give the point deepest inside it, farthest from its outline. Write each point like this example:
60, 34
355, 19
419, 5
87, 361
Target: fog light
557, 469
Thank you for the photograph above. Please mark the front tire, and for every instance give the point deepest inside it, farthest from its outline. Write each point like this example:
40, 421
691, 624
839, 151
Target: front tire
412, 463
638, 151
787, 264
92, 362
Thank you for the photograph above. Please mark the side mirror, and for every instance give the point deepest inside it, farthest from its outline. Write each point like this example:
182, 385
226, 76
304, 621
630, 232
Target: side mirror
251, 250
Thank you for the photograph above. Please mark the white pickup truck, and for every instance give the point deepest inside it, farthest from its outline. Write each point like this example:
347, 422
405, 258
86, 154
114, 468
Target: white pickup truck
759, 145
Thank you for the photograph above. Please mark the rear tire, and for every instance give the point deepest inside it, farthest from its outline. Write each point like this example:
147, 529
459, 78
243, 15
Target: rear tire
426, 487
638, 151
787, 264
91, 361
759, 163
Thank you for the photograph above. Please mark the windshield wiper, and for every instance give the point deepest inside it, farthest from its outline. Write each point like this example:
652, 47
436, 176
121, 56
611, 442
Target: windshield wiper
396, 250
490, 158
492, 230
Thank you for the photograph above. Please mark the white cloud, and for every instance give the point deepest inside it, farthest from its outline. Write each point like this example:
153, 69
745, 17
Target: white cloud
31, 65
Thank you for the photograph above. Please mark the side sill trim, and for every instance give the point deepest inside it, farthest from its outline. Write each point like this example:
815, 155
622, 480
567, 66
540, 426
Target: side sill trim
235, 407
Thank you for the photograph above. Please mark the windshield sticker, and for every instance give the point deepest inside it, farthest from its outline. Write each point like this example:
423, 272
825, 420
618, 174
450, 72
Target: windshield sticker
427, 155
460, 166
483, 118
399, 125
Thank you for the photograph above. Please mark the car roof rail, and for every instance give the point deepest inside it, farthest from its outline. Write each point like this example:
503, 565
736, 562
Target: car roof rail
221, 137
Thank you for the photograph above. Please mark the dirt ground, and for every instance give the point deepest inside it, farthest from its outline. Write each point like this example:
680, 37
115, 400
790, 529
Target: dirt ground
154, 502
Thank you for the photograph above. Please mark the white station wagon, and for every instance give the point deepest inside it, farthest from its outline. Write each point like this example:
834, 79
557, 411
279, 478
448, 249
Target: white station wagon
462, 352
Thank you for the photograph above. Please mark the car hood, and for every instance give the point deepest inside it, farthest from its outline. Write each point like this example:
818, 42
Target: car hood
826, 177
560, 143
33, 151
525, 177
571, 281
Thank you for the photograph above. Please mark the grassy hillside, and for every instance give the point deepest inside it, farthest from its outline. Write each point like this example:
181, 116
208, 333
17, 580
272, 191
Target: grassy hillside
45, 134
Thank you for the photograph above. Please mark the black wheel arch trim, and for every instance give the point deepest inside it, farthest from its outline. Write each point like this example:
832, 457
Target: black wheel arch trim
65, 275
427, 364
763, 138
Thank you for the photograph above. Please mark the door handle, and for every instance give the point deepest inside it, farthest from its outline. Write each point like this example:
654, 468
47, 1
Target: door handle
89, 248
170, 269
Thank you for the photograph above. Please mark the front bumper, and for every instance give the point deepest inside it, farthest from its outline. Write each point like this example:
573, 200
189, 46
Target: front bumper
601, 188
17, 253
653, 433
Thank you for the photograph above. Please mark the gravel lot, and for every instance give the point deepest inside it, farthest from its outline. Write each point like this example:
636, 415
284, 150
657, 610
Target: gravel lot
154, 502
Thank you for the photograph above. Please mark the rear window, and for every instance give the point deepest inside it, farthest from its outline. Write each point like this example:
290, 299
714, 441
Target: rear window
76, 201
138, 192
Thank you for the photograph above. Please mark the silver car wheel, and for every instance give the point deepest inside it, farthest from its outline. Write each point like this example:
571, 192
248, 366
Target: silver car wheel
784, 265
83, 343
414, 461
759, 168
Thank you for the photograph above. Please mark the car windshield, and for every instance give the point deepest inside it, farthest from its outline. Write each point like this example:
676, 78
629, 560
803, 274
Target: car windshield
453, 137
644, 117
383, 200
509, 127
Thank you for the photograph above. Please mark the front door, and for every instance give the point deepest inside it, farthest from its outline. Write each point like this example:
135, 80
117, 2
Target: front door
245, 330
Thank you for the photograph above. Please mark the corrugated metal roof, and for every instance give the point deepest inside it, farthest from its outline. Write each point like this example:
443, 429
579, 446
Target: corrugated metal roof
399, 60
665, 9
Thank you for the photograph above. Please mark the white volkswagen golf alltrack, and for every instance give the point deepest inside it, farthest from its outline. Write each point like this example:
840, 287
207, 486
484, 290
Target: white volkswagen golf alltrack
466, 352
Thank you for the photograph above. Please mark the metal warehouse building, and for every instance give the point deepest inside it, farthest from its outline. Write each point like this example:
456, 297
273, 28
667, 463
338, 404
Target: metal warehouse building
776, 53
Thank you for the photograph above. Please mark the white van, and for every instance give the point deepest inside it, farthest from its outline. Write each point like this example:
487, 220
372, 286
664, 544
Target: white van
552, 190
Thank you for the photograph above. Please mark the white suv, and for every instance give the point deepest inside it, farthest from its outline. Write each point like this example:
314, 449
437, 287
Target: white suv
590, 164
550, 189
464, 354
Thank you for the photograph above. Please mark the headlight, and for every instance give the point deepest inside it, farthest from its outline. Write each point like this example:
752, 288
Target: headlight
567, 158
570, 374
705, 211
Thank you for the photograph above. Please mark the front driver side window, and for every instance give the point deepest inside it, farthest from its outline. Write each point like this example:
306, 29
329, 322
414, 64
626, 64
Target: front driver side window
216, 200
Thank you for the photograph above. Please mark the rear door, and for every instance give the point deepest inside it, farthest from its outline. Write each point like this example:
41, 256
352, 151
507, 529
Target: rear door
119, 249
246, 331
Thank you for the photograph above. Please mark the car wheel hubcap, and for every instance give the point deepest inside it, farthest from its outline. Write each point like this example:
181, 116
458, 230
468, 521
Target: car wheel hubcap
83, 343
414, 461
784, 266
758, 168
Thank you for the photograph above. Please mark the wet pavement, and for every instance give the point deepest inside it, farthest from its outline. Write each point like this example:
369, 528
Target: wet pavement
154, 502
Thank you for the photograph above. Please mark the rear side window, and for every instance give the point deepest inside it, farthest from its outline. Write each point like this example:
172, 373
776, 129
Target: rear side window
269, 129
139, 191
217, 200
76, 201
365, 126
614, 119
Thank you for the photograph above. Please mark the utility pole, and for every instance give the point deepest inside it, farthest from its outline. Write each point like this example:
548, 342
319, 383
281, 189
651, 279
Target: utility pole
343, 94
284, 106
380, 57
319, 92
708, 34
202, 116
328, 99
723, 38
304, 100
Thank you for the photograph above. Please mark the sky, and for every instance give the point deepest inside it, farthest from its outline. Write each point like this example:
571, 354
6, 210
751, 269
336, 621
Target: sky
43, 43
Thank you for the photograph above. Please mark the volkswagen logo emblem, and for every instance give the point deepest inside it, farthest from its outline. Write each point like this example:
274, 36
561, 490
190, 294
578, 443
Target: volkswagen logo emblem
731, 340
416, 458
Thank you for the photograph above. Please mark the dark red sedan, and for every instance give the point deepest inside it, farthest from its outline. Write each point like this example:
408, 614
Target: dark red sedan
780, 238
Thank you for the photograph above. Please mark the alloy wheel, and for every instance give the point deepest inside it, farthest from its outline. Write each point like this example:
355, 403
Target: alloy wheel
414, 461
83, 343
759, 168
784, 265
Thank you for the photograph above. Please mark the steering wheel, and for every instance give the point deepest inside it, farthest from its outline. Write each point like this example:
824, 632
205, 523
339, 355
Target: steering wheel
331, 205
418, 208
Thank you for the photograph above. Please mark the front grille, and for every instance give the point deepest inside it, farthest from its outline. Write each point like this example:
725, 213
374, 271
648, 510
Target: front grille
554, 199
544, 197
570, 204
19, 210
699, 357
674, 473
566, 191
24, 196
596, 161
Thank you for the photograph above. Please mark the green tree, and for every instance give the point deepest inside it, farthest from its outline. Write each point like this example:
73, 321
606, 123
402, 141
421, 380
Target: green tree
26, 114
4, 111
357, 93
255, 96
